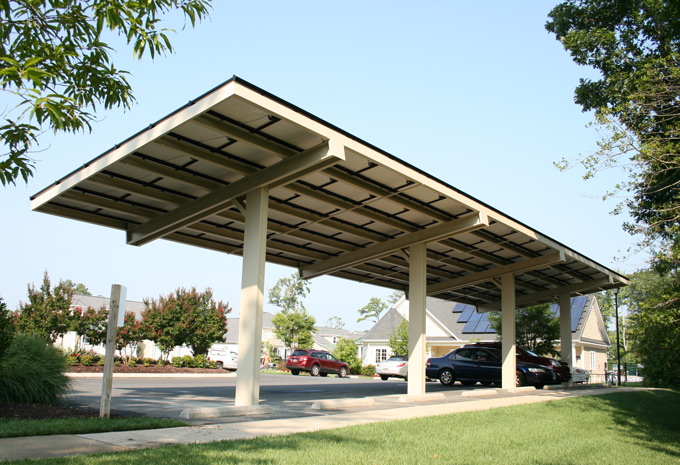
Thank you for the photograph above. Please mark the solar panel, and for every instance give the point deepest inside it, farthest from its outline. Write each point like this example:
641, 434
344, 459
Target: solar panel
458, 308
577, 306
468, 311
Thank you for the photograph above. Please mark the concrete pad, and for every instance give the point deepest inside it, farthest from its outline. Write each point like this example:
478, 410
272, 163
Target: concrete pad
333, 404
435, 396
58, 445
229, 411
479, 393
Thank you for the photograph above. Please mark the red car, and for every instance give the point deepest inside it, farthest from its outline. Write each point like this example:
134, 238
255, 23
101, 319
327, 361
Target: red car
525, 355
316, 363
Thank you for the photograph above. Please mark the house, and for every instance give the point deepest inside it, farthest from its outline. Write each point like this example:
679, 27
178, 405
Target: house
450, 325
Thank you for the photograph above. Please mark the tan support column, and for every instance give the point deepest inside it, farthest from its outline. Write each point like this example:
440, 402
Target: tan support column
565, 330
416, 320
508, 344
252, 299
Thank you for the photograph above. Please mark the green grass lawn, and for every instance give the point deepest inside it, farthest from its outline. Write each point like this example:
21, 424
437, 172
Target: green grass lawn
18, 428
621, 428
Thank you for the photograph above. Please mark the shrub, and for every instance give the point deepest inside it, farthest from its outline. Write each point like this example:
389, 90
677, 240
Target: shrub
200, 361
210, 364
368, 370
132, 362
33, 372
6, 327
188, 361
161, 362
147, 361
86, 359
100, 362
177, 362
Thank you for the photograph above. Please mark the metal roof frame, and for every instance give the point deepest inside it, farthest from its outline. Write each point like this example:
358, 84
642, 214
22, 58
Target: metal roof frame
337, 204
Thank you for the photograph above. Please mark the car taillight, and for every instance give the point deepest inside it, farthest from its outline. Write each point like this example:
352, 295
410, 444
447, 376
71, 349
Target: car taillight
428, 362
401, 364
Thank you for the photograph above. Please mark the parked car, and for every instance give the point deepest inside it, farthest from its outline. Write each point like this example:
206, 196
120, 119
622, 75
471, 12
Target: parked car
316, 363
525, 355
581, 375
395, 366
471, 365
224, 358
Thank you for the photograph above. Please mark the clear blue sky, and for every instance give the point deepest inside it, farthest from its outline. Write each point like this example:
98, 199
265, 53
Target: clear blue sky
475, 93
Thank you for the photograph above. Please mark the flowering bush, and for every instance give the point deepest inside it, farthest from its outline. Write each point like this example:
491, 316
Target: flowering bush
86, 360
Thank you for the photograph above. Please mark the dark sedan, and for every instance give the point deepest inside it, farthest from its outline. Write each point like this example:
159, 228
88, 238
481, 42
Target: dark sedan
470, 365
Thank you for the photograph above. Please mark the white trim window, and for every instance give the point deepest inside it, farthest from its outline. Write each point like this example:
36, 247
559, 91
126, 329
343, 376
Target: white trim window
593, 360
380, 355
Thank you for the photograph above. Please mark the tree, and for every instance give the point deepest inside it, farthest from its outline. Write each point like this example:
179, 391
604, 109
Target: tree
295, 330
335, 322
47, 313
537, 329
288, 293
6, 327
292, 325
394, 297
399, 339
58, 69
129, 335
653, 303
91, 324
78, 288
635, 47
372, 310
347, 351
185, 317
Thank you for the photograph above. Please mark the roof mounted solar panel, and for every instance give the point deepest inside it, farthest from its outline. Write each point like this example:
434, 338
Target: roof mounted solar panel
467, 313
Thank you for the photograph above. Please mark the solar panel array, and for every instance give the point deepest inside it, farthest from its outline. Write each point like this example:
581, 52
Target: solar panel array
478, 323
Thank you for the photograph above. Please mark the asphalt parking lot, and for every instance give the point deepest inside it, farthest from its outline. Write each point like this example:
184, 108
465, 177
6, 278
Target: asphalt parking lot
288, 396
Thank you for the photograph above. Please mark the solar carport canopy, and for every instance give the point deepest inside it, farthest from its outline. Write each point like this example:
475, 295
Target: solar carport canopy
337, 205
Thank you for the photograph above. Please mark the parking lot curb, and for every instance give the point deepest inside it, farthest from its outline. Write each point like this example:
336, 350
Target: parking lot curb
334, 404
230, 411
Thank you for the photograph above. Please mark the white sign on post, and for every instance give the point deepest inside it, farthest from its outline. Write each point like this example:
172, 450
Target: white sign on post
116, 318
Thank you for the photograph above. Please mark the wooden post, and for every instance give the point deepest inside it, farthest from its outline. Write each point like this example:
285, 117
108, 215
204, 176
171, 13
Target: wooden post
116, 308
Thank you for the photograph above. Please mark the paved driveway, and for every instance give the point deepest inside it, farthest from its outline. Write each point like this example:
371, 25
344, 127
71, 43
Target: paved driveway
289, 395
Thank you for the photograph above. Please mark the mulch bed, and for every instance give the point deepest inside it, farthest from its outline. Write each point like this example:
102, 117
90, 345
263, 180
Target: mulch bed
151, 369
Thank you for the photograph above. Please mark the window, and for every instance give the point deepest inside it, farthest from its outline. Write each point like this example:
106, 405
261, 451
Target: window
464, 354
593, 360
380, 355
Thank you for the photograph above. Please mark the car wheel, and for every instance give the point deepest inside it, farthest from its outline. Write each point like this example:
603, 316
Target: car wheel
219, 365
323, 374
468, 382
520, 380
343, 372
315, 370
446, 377
384, 377
294, 372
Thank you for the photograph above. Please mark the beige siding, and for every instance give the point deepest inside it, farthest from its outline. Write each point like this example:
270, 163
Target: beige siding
591, 330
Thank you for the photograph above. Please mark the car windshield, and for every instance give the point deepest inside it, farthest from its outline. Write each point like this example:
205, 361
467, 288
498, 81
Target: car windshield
528, 351
299, 353
398, 358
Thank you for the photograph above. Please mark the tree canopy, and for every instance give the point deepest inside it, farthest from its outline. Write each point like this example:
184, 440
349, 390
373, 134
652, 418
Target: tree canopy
635, 45
537, 329
399, 339
185, 317
47, 313
372, 310
292, 325
58, 70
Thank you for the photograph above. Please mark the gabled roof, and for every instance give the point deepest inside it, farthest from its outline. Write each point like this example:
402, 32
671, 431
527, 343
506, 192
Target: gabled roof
385, 326
97, 302
337, 204
232, 326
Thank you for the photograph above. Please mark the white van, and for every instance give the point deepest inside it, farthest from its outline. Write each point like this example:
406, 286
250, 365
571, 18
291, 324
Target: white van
223, 358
